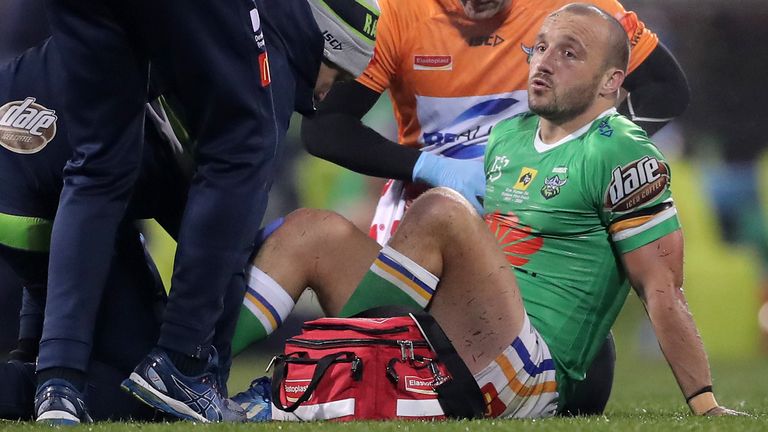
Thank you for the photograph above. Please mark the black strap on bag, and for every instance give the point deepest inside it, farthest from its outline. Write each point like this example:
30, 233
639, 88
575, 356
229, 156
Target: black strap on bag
281, 371
460, 397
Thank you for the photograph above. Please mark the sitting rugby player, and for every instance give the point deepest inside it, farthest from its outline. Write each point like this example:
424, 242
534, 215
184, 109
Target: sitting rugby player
578, 207
453, 69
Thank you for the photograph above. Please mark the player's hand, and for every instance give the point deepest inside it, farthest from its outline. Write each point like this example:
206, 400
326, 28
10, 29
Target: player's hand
464, 176
720, 411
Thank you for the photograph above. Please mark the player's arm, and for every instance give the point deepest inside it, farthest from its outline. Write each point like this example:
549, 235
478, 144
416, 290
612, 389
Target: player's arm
655, 270
657, 91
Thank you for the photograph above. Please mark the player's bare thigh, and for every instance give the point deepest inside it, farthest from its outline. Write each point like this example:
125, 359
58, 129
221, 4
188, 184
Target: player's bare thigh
477, 302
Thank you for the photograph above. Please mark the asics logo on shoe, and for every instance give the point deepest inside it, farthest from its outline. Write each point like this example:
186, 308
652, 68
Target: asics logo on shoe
26, 127
201, 402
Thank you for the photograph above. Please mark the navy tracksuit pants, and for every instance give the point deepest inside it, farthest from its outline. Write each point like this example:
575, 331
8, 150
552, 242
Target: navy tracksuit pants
208, 55
129, 323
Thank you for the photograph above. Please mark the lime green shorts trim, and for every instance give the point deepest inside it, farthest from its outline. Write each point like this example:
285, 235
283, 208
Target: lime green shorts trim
25, 232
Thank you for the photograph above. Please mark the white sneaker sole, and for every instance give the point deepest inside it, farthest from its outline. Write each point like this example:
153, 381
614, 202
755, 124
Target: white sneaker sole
143, 391
58, 417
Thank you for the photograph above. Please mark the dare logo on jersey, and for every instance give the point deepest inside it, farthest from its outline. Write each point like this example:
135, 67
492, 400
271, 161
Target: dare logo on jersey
26, 127
636, 183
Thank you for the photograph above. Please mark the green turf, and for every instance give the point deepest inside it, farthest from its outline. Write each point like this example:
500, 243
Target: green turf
645, 398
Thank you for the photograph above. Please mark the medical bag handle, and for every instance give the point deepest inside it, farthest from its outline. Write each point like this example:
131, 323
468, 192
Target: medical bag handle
322, 365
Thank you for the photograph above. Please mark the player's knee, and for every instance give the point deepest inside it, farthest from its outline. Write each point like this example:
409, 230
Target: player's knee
314, 227
442, 208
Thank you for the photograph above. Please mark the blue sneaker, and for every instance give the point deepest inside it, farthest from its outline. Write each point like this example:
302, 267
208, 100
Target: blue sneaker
257, 400
158, 383
58, 403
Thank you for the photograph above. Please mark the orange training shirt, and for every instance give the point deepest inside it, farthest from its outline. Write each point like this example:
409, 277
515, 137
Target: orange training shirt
452, 79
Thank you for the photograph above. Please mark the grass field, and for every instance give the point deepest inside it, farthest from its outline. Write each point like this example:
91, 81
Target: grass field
645, 398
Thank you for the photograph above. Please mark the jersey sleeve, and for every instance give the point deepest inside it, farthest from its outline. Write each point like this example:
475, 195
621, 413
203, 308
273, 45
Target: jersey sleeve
381, 69
632, 187
641, 39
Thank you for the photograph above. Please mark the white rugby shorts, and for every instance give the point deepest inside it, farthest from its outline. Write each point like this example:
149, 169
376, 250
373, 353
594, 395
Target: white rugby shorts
520, 382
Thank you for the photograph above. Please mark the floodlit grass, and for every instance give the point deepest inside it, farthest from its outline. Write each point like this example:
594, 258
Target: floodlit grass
645, 398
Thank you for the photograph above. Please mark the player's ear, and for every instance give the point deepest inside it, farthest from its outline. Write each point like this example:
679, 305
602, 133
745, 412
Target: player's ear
612, 81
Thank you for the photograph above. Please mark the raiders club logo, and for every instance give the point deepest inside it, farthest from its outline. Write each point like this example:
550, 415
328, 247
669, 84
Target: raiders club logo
636, 183
26, 127
552, 186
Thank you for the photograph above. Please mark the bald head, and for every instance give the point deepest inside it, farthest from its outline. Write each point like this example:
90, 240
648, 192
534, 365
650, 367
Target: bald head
617, 53
577, 65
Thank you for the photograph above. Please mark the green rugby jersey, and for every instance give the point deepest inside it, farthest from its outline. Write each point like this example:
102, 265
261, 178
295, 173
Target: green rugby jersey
563, 214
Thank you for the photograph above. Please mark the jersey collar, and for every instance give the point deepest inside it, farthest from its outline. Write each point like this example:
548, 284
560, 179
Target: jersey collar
540, 147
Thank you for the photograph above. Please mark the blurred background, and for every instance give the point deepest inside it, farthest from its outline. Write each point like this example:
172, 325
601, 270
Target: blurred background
717, 151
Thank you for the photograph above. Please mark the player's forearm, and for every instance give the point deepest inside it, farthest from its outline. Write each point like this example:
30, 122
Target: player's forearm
679, 340
656, 272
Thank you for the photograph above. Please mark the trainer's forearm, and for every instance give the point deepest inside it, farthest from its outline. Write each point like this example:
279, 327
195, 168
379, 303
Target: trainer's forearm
679, 338
337, 134
344, 140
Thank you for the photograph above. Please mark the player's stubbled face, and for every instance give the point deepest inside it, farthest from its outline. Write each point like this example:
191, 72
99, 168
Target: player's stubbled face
566, 66
482, 9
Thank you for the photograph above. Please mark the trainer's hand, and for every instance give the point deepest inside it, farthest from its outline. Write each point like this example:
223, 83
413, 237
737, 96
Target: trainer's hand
720, 411
464, 176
